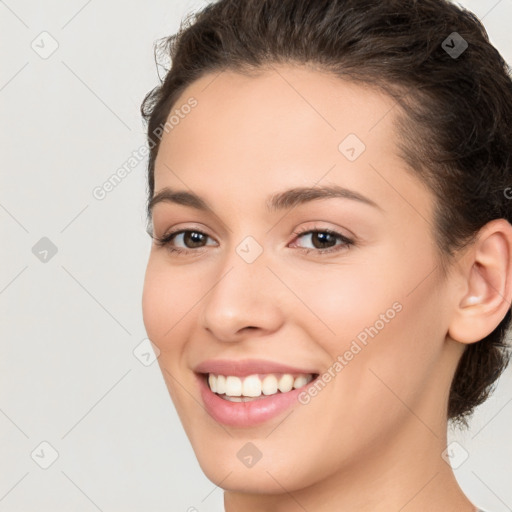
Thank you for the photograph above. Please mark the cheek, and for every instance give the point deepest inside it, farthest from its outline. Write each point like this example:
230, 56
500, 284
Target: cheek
383, 320
165, 304
370, 292
153, 304
344, 302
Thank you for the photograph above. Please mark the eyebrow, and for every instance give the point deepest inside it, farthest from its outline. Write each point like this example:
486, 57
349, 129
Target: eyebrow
276, 202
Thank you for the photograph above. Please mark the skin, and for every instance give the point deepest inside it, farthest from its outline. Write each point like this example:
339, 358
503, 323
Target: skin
372, 439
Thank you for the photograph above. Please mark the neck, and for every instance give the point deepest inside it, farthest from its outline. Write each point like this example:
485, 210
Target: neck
406, 473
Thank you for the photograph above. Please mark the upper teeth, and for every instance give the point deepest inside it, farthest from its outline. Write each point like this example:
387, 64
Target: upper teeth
254, 386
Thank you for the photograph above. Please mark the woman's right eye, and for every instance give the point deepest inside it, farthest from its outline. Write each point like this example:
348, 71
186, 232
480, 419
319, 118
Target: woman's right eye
191, 238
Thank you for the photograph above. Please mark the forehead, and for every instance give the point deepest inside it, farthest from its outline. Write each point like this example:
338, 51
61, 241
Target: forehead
283, 126
280, 106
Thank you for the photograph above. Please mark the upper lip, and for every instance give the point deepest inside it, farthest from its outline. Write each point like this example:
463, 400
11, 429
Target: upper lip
244, 367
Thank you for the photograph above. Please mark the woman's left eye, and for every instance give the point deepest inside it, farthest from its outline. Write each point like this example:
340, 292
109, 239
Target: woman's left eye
322, 240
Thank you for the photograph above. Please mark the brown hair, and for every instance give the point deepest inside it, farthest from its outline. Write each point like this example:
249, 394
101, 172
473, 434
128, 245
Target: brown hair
454, 124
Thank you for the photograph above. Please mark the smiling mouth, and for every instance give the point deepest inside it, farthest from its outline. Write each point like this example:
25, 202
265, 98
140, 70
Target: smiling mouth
257, 386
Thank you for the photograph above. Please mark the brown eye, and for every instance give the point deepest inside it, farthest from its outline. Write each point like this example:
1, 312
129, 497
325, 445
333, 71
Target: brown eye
183, 241
323, 240
193, 239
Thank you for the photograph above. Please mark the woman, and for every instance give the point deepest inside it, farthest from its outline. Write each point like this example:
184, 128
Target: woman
330, 279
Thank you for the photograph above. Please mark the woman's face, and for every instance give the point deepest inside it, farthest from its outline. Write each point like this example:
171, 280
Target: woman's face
253, 282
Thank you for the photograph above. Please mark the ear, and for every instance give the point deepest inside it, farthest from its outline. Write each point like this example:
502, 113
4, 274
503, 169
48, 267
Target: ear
486, 291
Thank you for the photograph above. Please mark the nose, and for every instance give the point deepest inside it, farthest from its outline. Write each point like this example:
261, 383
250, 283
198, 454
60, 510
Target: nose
243, 301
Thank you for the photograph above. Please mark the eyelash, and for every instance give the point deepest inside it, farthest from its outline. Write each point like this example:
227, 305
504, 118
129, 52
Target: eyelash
165, 241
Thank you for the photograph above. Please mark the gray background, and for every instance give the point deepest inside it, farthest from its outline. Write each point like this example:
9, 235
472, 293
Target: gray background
70, 324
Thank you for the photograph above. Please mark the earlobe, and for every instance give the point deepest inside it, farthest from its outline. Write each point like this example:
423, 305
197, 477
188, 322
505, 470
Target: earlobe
487, 274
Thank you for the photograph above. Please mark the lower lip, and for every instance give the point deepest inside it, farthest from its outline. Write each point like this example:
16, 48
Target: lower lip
246, 414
